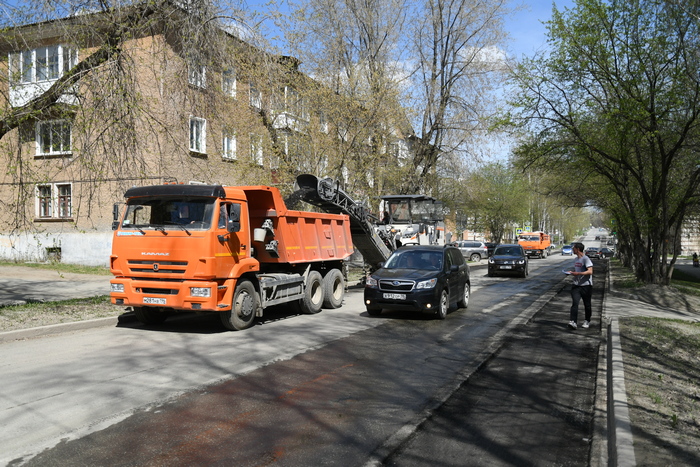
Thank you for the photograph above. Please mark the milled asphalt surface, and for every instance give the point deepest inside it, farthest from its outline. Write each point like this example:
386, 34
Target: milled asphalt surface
612, 442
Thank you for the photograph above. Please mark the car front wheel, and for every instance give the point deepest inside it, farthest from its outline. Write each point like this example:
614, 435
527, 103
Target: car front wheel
464, 302
443, 305
476, 257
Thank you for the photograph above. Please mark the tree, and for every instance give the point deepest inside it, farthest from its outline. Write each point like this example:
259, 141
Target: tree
430, 67
617, 102
497, 198
457, 69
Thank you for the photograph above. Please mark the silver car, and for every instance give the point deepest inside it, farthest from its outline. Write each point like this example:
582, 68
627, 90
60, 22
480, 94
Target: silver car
473, 250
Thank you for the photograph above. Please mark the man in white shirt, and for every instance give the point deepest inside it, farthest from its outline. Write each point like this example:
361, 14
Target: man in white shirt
582, 287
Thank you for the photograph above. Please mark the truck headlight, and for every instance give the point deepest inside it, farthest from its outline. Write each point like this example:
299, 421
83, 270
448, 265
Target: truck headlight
119, 288
200, 292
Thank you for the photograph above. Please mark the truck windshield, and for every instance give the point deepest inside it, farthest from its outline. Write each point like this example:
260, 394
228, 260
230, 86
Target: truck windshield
169, 213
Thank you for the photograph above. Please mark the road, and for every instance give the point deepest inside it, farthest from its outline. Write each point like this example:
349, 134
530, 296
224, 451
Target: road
328, 389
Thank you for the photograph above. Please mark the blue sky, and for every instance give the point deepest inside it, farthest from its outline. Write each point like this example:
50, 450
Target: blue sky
525, 27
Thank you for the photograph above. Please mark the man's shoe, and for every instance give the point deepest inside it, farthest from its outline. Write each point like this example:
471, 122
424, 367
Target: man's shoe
586, 324
572, 324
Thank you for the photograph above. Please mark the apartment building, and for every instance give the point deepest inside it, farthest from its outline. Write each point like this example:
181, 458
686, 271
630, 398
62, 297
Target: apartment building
154, 107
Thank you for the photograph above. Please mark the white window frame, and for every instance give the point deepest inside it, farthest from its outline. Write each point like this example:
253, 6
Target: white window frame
255, 96
229, 82
50, 207
229, 146
57, 144
40, 65
68, 212
198, 135
197, 75
256, 149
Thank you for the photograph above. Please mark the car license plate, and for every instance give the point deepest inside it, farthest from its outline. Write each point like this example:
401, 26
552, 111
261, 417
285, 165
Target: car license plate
154, 301
506, 267
395, 296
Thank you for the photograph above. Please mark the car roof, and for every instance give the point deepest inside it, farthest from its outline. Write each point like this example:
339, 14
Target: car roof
508, 244
424, 247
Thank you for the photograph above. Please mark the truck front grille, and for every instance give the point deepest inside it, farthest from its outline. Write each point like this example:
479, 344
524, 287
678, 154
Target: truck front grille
152, 290
157, 267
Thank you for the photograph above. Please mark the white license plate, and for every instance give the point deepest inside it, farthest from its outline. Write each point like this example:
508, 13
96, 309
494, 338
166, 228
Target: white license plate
506, 267
154, 300
395, 296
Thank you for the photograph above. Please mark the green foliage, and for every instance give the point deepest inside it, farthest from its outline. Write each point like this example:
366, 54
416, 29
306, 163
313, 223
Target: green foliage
616, 107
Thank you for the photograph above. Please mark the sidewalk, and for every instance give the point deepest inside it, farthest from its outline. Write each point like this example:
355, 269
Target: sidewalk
22, 284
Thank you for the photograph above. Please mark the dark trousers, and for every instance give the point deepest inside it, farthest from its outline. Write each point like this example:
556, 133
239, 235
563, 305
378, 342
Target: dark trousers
577, 293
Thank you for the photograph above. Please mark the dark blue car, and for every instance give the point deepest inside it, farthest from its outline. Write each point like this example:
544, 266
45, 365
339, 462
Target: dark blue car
419, 278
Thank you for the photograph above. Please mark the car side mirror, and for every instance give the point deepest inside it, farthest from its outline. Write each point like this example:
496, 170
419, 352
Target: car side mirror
454, 268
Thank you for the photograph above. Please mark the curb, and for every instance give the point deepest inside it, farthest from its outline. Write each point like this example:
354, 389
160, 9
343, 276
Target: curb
52, 329
619, 422
620, 449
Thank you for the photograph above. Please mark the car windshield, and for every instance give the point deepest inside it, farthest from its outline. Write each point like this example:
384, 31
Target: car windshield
169, 213
415, 260
507, 251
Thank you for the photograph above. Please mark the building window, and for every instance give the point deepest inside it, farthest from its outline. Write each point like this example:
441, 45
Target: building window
53, 138
228, 145
198, 135
255, 97
296, 105
64, 201
197, 76
256, 149
228, 82
41, 64
323, 122
54, 201
44, 200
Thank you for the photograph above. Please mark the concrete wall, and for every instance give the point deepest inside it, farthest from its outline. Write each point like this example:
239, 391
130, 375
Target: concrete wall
89, 249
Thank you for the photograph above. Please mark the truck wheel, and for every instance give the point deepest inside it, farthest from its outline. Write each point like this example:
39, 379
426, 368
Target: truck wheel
148, 315
242, 312
313, 295
333, 289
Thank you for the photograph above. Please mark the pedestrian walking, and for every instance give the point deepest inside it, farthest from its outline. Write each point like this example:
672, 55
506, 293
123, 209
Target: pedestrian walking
582, 286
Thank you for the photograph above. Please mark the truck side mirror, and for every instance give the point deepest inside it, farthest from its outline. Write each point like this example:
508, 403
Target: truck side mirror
234, 218
115, 216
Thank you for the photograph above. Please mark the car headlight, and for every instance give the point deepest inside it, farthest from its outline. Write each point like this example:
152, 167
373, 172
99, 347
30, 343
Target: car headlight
491, 261
371, 282
429, 284
119, 288
521, 261
200, 292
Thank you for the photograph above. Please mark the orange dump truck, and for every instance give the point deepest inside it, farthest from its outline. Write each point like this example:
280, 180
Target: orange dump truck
229, 250
535, 243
